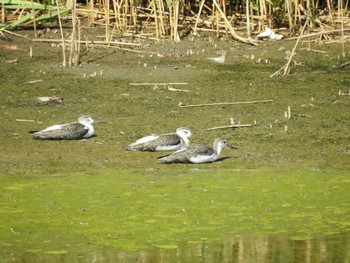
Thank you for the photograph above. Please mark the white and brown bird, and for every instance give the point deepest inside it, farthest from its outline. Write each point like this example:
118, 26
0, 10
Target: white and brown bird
201, 153
70, 131
162, 142
221, 59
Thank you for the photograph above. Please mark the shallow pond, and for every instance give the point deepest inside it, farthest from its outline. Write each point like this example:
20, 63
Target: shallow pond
193, 216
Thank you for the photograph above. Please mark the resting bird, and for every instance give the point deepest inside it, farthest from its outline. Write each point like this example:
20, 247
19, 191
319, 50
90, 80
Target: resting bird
162, 142
201, 153
69, 131
270, 34
220, 59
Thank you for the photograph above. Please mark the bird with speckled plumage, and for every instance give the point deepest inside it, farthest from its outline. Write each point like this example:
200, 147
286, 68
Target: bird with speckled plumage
200, 153
81, 129
162, 142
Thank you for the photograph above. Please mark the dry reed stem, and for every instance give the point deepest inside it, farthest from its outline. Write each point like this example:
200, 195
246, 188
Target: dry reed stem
15, 34
91, 15
198, 18
161, 17
34, 22
62, 36
223, 103
106, 18
228, 126
176, 20
72, 55
233, 33
315, 50
88, 42
3, 13
261, 14
123, 11
323, 32
125, 49
286, 67
342, 27
248, 17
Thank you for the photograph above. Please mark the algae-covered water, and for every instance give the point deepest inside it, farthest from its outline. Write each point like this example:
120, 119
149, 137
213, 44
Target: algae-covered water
193, 216
282, 196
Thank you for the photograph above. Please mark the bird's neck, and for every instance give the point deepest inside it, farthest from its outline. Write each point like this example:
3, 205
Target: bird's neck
217, 149
185, 141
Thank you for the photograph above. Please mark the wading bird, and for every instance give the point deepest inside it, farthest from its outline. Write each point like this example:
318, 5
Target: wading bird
162, 142
70, 131
201, 153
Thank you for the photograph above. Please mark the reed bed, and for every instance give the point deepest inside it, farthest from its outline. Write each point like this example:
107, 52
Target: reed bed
176, 19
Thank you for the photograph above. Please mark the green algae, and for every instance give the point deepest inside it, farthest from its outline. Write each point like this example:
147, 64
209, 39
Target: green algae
131, 210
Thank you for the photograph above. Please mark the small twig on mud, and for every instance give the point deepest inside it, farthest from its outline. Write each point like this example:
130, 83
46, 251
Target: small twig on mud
178, 90
15, 34
124, 49
25, 120
33, 81
314, 50
228, 126
154, 84
223, 103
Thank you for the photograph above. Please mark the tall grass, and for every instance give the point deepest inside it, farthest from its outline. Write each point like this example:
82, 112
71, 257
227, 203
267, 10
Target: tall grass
165, 17
172, 18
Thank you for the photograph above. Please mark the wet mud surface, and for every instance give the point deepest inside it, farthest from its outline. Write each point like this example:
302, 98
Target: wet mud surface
315, 137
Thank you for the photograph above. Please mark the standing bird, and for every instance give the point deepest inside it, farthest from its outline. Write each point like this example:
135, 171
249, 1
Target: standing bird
201, 153
69, 131
162, 142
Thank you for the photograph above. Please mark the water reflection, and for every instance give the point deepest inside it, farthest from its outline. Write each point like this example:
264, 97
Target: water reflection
320, 248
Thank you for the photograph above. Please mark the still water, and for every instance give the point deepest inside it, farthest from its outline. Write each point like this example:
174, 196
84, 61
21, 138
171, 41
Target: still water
184, 216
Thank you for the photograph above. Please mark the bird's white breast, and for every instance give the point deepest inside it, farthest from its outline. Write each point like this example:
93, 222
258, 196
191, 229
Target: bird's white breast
53, 127
90, 131
203, 158
148, 138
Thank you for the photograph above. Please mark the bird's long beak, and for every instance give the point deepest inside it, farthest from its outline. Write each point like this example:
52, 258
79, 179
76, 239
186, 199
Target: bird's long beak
232, 147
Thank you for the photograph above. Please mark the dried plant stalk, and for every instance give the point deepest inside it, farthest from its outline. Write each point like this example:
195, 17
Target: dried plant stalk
223, 103
62, 36
3, 13
75, 37
164, 17
286, 67
198, 18
248, 41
